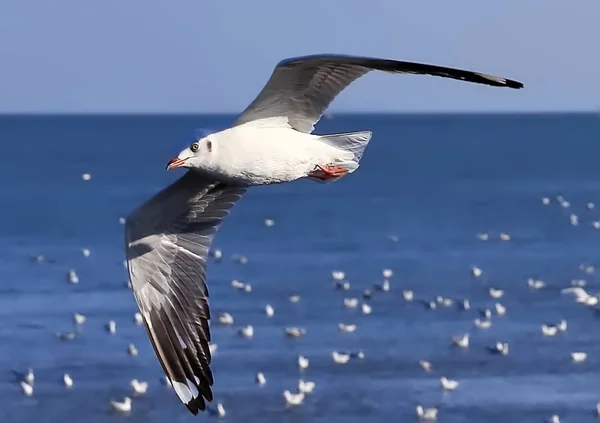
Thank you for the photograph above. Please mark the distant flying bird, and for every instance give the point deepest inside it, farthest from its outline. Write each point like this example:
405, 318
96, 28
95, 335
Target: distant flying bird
168, 238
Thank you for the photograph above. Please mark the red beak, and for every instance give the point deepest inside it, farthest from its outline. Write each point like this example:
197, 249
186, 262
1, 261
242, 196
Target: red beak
175, 163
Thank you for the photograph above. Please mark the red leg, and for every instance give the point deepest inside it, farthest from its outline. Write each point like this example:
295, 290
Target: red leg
328, 172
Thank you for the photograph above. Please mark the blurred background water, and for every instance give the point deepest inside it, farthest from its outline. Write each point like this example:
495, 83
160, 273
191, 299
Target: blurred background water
428, 184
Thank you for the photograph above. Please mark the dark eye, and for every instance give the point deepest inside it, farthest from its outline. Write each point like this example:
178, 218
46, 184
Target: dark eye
209, 146
194, 147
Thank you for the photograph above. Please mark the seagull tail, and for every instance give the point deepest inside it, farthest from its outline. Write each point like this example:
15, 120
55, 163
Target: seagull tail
351, 142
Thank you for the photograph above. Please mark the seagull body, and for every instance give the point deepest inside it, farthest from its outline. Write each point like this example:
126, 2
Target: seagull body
496, 293
280, 154
426, 365
343, 327
241, 286
219, 411
448, 384
294, 332
303, 362
260, 379
27, 388
237, 284
67, 380
139, 388
132, 350
66, 336
588, 269
122, 407
246, 331
111, 327
581, 296
359, 354
535, 283
351, 302
168, 238
486, 313
383, 286
446, 302
216, 254
504, 236
427, 413
461, 341
238, 258
79, 319
225, 319
551, 330
340, 358
305, 386
38, 258
345, 285
499, 348
293, 399
338, 275
269, 310
482, 324
72, 277
429, 304
578, 357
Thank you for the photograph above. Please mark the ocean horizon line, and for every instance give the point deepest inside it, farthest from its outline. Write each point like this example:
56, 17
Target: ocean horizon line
330, 114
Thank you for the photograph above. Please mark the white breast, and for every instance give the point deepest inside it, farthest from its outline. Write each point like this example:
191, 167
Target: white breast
259, 155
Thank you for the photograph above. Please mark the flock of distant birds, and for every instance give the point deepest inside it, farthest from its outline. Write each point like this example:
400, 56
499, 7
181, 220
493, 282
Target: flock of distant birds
484, 321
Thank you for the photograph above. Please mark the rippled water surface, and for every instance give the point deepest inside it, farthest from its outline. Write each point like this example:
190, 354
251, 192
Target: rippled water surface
427, 186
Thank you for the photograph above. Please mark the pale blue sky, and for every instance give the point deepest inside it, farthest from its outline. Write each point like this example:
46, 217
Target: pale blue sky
203, 56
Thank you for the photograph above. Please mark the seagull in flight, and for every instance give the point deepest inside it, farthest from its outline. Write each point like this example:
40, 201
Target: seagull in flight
169, 236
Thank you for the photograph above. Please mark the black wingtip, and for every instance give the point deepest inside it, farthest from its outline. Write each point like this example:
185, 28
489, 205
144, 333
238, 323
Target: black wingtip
196, 405
514, 84
193, 410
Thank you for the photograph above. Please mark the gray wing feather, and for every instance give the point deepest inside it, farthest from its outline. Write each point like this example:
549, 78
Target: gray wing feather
167, 243
302, 88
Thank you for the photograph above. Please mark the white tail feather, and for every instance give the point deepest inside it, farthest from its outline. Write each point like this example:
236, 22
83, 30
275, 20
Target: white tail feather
354, 142
351, 146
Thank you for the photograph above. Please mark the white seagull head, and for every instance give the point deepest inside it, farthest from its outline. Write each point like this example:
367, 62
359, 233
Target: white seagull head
200, 154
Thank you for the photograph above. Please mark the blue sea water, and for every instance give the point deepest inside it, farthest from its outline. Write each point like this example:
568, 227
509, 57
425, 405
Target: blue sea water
427, 186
